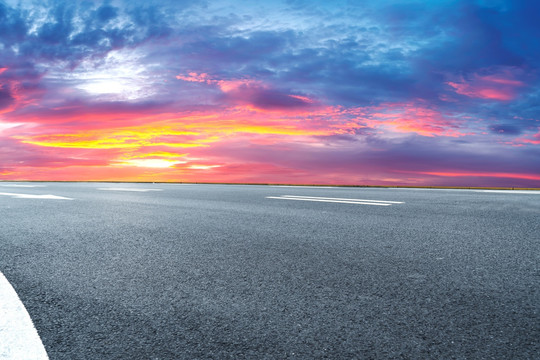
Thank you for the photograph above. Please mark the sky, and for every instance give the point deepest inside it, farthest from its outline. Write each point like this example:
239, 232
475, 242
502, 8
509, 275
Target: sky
374, 92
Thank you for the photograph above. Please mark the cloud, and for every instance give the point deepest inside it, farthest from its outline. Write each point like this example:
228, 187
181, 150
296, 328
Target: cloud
20, 158
106, 13
533, 139
338, 91
267, 99
224, 45
415, 118
499, 84
71, 32
251, 92
5, 98
510, 130
515, 176
13, 27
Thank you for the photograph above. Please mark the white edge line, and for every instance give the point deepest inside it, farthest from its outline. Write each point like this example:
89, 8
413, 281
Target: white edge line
325, 200
19, 339
328, 198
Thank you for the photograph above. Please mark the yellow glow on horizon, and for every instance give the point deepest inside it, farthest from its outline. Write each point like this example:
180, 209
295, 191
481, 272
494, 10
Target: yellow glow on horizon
203, 167
159, 154
104, 87
191, 130
150, 163
133, 137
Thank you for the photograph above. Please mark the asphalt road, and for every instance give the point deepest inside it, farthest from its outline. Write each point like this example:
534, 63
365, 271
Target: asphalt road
225, 272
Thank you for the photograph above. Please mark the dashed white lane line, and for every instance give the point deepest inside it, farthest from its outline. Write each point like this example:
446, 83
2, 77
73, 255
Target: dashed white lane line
328, 201
35, 196
335, 200
535, 192
344, 199
19, 339
129, 189
21, 185
305, 187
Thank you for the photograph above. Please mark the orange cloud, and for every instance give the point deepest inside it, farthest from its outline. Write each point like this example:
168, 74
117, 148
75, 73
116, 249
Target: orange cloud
186, 130
154, 140
153, 143
205, 145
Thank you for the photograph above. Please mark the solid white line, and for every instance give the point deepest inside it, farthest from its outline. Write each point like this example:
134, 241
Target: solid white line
34, 196
327, 200
19, 339
129, 189
19, 185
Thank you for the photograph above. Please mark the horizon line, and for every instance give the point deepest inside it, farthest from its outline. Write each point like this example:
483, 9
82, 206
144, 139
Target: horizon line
283, 184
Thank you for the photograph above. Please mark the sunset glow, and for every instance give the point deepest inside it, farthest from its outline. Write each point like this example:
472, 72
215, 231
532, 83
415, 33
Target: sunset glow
386, 93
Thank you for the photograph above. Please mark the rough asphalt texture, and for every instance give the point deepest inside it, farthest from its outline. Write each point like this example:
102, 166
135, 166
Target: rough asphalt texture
221, 272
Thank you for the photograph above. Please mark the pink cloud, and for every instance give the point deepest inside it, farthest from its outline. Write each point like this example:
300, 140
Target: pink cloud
252, 93
501, 85
532, 139
414, 117
256, 134
481, 174
16, 93
224, 85
195, 77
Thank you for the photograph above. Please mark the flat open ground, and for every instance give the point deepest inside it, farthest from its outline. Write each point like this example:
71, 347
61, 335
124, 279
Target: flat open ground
178, 271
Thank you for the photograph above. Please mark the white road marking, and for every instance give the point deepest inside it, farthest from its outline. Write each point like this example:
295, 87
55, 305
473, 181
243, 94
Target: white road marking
327, 200
129, 189
35, 196
306, 187
19, 339
20, 185
344, 199
535, 192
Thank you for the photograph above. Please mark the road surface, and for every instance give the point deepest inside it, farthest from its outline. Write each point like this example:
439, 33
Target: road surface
181, 271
